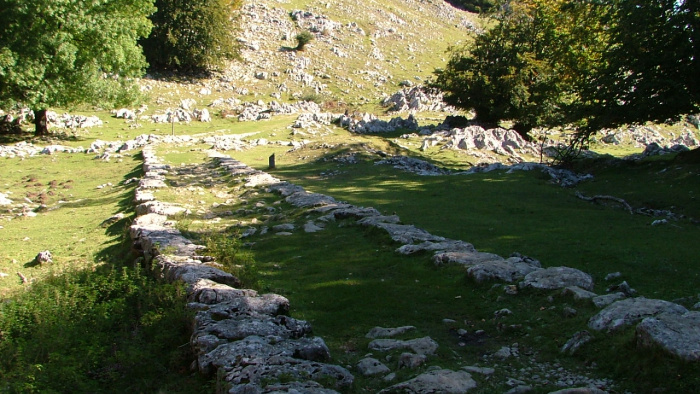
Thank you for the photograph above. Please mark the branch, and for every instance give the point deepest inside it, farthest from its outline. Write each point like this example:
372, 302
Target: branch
611, 198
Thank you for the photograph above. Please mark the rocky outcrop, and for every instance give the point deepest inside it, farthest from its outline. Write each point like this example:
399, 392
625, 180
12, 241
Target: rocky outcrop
436, 381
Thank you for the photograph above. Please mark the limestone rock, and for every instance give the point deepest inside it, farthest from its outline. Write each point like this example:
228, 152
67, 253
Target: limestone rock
480, 370
502, 270
437, 381
576, 341
579, 390
554, 278
465, 258
448, 245
578, 293
424, 345
630, 311
191, 271
306, 199
371, 366
381, 332
408, 234
411, 361
676, 334
206, 291
607, 299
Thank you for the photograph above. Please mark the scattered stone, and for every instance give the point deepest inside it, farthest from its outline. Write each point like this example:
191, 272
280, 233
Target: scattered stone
411, 361
480, 370
623, 288
607, 299
381, 332
522, 389
579, 390
287, 227
502, 312
437, 381
677, 335
311, 227
371, 366
569, 311
578, 293
577, 340
630, 311
505, 352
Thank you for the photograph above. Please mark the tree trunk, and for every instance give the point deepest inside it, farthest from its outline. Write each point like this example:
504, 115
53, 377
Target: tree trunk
41, 124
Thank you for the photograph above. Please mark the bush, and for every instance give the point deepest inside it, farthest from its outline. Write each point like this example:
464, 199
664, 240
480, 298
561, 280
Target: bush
192, 36
303, 38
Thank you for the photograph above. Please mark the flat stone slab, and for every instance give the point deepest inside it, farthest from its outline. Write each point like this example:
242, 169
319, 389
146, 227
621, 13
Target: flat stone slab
425, 345
630, 311
438, 381
448, 245
464, 258
554, 278
677, 334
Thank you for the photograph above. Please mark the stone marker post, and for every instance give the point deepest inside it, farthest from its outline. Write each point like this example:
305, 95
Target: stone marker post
271, 161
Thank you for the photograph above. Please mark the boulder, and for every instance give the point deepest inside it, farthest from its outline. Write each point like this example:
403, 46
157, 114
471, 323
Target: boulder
448, 245
554, 278
578, 293
503, 270
630, 311
678, 335
576, 341
190, 271
370, 366
437, 381
411, 361
305, 199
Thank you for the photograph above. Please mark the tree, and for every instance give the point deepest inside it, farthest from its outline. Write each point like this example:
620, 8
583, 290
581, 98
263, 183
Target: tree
475, 5
650, 70
523, 69
66, 52
192, 36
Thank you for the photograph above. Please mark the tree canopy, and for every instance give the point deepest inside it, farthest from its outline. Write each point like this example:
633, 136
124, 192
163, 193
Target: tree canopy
67, 52
593, 64
191, 36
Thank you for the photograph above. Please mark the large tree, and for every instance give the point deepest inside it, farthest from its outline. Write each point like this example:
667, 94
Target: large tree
191, 36
67, 52
651, 68
590, 63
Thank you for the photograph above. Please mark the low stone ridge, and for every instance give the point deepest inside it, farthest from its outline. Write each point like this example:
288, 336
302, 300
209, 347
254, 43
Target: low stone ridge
677, 335
244, 338
630, 311
437, 381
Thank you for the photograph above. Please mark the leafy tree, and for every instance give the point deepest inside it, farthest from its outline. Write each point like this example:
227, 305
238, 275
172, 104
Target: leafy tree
590, 63
62, 53
650, 70
191, 36
523, 69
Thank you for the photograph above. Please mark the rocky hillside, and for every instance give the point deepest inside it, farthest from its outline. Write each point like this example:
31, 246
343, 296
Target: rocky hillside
361, 51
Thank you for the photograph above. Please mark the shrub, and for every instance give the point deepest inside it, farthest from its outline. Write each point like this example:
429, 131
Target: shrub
303, 38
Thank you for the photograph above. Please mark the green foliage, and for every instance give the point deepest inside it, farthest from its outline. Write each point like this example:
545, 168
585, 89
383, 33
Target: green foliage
590, 64
66, 53
229, 251
650, 71
191, 36
481, 6
303, 38
84, 331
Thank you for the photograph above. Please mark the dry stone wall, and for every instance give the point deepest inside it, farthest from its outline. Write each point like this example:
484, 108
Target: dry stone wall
246, 339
